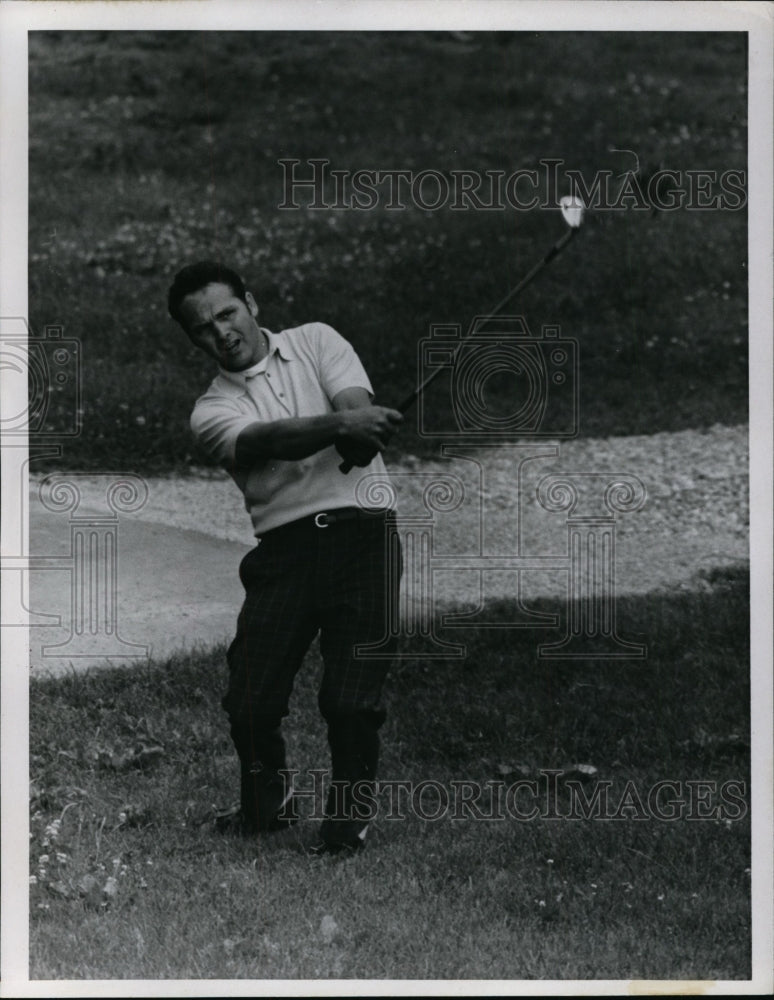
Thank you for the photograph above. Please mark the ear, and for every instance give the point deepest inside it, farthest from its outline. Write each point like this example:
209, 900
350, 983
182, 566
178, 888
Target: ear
252, 305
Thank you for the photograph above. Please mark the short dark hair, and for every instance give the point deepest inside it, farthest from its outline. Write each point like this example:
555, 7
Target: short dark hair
195, 276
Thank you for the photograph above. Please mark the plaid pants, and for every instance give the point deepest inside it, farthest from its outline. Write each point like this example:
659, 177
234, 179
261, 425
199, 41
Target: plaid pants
300, 580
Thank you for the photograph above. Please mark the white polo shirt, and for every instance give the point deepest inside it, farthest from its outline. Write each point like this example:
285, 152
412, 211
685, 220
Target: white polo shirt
304, 370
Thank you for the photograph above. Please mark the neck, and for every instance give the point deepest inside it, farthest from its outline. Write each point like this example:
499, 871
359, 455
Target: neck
264, 346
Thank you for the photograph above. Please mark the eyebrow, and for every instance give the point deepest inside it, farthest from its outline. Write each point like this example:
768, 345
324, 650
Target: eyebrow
203, 326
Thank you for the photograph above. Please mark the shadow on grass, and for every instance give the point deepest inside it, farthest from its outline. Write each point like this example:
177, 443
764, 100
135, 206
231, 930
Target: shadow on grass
130, 883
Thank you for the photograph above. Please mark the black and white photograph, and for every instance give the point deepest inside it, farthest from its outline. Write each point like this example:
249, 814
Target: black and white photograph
386, 426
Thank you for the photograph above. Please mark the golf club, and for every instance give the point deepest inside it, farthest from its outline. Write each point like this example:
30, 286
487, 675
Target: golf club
572, 212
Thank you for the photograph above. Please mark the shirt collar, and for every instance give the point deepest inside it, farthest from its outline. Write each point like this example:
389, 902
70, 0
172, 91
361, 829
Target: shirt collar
276, 346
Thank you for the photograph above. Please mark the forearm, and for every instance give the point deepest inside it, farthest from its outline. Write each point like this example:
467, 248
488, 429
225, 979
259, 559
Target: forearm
290, 439
367, 427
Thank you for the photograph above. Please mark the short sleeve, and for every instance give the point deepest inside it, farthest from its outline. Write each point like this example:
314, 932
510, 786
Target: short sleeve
216, 425
340, 367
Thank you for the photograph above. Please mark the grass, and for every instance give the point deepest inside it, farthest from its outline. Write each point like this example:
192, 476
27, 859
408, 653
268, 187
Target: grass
145, 153
135, 885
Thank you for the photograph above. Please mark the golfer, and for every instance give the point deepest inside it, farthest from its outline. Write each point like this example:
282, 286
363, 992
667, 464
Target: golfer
282, 413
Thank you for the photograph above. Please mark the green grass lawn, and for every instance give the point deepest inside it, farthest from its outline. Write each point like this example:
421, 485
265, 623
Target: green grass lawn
148, 150
133, 884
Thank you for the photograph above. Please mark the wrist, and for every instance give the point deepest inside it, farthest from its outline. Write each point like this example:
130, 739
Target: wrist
342, 425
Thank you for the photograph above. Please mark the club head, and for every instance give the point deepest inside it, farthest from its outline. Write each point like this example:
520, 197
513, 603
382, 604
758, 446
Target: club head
572, 210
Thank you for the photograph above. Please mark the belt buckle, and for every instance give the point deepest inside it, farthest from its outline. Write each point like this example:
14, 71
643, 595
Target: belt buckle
318, 522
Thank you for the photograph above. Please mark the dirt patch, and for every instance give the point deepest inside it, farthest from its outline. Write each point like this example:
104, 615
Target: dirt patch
487, 502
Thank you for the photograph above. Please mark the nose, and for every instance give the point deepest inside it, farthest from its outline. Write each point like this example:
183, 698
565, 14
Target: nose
221, 330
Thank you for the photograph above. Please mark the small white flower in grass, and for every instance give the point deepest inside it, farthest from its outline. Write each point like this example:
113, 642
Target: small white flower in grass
51, 833
550, 861
42, 859
33, 880
328, 928
660, 897
542, 902
61, 858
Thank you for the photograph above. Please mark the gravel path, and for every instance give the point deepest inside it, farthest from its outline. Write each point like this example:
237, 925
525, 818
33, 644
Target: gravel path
694, 517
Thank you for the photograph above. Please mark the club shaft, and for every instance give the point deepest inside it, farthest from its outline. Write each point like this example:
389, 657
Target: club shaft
557, 248
405, 405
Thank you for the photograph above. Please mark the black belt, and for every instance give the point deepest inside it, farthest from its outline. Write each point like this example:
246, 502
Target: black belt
325, 518
328, 517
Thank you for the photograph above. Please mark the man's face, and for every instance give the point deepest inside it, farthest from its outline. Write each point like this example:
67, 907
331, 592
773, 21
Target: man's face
224, 326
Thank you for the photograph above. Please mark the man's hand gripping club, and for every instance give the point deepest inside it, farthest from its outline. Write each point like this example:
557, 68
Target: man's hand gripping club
365, 431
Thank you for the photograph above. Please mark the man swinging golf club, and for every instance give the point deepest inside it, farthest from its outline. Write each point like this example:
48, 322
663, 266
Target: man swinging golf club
283, 412
286, 416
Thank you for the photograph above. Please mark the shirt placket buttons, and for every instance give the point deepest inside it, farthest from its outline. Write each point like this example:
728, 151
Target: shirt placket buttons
281, 395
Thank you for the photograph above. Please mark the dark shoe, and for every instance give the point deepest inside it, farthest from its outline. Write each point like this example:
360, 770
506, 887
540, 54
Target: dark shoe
340, 849
267, 799
236, 821
339, 836
349, 808
284, 817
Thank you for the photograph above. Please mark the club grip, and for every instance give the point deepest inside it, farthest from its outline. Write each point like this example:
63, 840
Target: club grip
403, 407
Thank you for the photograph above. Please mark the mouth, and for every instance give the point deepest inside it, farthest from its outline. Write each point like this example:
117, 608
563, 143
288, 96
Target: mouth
232, 347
